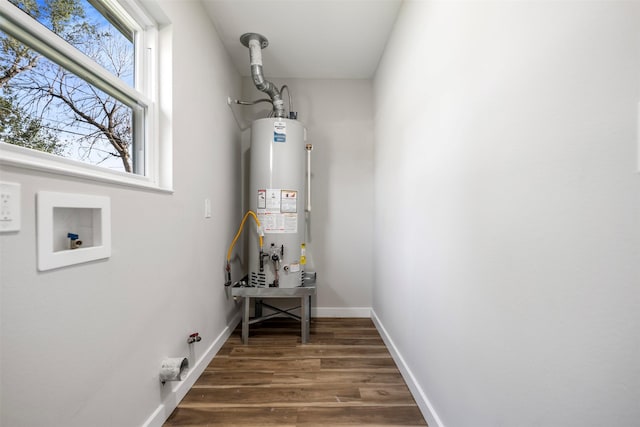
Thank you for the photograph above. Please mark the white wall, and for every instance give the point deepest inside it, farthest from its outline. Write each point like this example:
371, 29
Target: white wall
82, 345
338, 115
507, 238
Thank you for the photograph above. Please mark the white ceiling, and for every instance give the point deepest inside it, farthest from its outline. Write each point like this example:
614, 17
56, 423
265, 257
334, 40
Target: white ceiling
315, 39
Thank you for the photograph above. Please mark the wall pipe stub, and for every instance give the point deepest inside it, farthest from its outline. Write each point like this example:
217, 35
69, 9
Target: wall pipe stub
174, 369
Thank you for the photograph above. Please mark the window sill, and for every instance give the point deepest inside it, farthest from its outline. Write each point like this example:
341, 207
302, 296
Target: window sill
20, 157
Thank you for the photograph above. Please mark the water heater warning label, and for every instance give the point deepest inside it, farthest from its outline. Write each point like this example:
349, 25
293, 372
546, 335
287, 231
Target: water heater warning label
279, 131
279, 223
288, 199
277, 210
262, 199
273, 201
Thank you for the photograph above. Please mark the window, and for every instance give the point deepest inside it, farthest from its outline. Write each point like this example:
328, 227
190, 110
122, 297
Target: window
77, 87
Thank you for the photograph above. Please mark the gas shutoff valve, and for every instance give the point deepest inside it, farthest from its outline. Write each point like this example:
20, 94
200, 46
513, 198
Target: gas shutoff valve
276, 261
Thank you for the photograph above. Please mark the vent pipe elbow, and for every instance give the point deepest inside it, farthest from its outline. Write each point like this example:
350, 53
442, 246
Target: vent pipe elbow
255, 43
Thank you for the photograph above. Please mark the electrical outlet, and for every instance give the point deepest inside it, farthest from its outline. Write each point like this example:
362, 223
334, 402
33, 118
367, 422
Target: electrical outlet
9, 206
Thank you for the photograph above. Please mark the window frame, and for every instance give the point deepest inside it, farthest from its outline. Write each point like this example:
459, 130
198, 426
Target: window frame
142, 98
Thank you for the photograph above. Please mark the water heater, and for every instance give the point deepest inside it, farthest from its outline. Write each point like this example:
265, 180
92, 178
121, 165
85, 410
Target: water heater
279, 189
277, 196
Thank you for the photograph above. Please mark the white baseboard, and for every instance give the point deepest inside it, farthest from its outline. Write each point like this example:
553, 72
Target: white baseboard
179, 390
171, 401
418, 393
341, 312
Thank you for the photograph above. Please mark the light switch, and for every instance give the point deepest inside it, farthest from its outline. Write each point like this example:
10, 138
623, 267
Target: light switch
9, 206
207, 208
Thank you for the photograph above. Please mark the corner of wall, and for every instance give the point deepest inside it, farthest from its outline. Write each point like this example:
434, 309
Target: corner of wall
418, 393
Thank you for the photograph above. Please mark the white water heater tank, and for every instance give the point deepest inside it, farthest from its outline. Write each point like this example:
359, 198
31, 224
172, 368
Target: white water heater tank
277, 196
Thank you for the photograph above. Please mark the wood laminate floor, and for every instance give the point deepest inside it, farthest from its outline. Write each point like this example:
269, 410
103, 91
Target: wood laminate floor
344, 377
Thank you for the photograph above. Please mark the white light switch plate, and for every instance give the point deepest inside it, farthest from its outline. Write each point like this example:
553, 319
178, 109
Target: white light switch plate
9, 206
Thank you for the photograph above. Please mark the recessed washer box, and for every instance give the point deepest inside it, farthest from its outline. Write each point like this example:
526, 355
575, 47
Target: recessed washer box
62, 214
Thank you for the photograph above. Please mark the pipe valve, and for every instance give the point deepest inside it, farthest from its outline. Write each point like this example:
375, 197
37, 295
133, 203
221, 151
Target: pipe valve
194, 337
74, 241
276, 261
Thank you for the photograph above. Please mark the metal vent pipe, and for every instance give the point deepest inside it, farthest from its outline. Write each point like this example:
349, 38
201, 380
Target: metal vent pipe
256, 42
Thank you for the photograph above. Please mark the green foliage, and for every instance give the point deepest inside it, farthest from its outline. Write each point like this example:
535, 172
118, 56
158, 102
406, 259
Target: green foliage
61, 12
29, 6
55, 14
18, 128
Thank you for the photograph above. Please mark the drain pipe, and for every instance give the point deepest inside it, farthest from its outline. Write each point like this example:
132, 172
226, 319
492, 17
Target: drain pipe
256, 42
